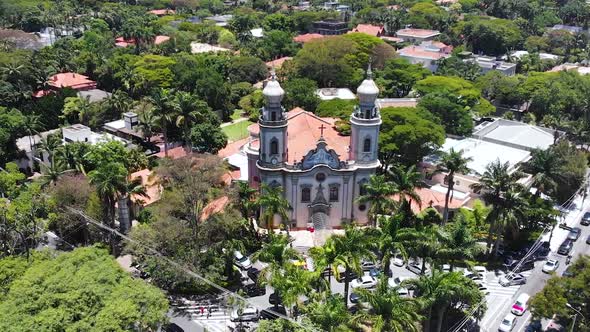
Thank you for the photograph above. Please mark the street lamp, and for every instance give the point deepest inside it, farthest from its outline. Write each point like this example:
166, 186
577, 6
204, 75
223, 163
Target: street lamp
577, 311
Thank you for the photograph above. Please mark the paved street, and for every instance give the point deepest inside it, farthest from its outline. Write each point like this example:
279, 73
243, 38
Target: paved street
499, 304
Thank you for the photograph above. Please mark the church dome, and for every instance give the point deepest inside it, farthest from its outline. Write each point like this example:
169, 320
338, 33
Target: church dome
368, 90
273, 92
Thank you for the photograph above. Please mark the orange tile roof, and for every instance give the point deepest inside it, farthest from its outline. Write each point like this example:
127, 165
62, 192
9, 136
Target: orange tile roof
161, 39
162, 12
369, 29
307, 37
152, 187
278, 62
435, 199
417, 32
215, 206
122, 42
303, 132
392, 39
173, 153
71, 80
232, 148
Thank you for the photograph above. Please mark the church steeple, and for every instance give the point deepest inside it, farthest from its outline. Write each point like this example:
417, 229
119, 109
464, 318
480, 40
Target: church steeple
273, 125
365, 122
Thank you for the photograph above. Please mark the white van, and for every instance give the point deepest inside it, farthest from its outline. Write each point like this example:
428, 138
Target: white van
521, 304
248, 314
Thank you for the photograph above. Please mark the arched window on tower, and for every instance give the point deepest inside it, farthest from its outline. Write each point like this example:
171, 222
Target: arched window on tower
273, 116
367, 145
306, 194
274, 146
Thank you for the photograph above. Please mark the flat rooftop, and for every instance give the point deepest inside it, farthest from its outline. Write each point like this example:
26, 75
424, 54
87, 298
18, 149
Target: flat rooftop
515, 134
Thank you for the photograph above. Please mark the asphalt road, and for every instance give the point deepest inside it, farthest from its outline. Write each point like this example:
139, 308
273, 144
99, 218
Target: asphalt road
536, 281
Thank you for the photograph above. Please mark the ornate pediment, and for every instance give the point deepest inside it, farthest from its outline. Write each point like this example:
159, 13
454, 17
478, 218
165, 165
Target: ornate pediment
321, 156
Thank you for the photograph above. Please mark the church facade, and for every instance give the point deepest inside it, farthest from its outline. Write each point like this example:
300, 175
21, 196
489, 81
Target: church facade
321, 173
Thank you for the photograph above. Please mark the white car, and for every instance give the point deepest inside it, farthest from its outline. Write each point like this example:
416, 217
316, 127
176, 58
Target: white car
520, 305
243, 262
507, 323
512, 280
398, 260
481, 270
364, 282
249, 314
550, 265
396, 282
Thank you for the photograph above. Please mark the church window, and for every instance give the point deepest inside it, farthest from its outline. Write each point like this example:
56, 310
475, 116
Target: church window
320, 177
367, 145
333, 193
367, 114
306, 194
274, 146
273, 116
363, 188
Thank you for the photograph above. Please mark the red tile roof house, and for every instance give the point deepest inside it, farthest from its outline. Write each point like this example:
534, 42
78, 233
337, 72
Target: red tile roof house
417, 35
426, 54
70, 80
162, 12
278, 63
307, 37
122, 42
369, 29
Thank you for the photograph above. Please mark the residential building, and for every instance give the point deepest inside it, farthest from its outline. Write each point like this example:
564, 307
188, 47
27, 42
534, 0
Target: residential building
369, 29
569, 28
333, 93
122, 42
67, 80
197, 47
582, 70
220, 20
305, 38
330, 28
487, 63
336, 6
81, 133
417, 36
427, 54
278, 63
162, 12
321, 172
434, 197
28, 152
542, 56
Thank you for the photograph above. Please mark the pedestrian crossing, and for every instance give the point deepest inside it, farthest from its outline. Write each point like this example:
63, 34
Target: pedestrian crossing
214, 322
495, 289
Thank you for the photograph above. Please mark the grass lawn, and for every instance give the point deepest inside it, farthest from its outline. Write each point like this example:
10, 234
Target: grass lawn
236, 115
237, 130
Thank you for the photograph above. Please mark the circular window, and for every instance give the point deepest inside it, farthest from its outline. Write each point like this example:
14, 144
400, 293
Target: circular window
320, 177
362, 207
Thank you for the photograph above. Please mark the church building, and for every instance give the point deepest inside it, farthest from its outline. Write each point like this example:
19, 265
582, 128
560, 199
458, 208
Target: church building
321, 172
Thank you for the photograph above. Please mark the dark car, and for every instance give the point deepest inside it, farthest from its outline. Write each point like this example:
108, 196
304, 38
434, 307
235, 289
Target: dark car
374, 272
172, 328
566, 247
254, 290
574, 234
569, 272
274, 299
588, 240
585, 219
526, 265
253, 274
354, 298
350, 275
273, 313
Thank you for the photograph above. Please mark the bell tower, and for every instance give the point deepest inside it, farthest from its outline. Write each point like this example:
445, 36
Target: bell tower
273, 126
365, 122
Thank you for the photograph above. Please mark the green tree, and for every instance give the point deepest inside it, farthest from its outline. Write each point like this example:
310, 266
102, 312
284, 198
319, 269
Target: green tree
454, 116
378, 194
451, 163
207, 137
399, 76
406, 181
164, 111
544, 167
246, 69
388, 310
189, 110
86, 288
330, 315
10, 180
427, 15
490, 36
273, 204
301, 92
458, 243
12, 126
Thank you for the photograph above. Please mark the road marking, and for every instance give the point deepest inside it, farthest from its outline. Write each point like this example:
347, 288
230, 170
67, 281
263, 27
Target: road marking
499, 308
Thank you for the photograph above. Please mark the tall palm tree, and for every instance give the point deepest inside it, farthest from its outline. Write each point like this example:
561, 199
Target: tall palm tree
247, 204
49, 144
458, 243
331, 315
440, 291
51, 174
389, 239
273, 203
133, 187
351, 248
190, 109
545, 168
378, 192
324, 258
109, 180
451, 163
388, 311
148, 121
276, 252
495, 182
164, 111
405, 181
423, 243
33, 125
290, 282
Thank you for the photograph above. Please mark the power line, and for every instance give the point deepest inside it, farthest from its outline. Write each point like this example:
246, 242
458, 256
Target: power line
180, 267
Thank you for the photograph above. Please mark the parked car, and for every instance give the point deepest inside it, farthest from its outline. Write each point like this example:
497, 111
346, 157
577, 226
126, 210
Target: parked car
272, 313
512, 279
364, 282
473, 276
254, 290
354, 298
172, 328
574, 234
367, 265
416, 267
527, 264
550, 266
396, 282
507, 323
274, 299
482, 288
374, 272
566, 247
243, 262
588, 240
569, 272
398, 260
585, 219
249, 314
253, 274
520, 305
481, 270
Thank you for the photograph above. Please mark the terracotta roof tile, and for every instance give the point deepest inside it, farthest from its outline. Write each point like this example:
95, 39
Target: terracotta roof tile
151, 185
278, 62
307, 37
162, 12
435, 199
215, 206
418, 32
232, 148
369, 29
173, 153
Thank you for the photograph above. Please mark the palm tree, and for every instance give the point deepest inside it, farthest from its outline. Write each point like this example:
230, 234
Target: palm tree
545, 168
405, 181
273, 203
52, 173
440, 291
350, 249
49, 144
377, 193
109, 180
388, 310
422, 243
494, 183
133, 187
33, 125
190, 109
458, 243
148, 121
331, 315
452, 162
247, 204
389, 238
164, 112
276, 252
324, 258
290, 282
